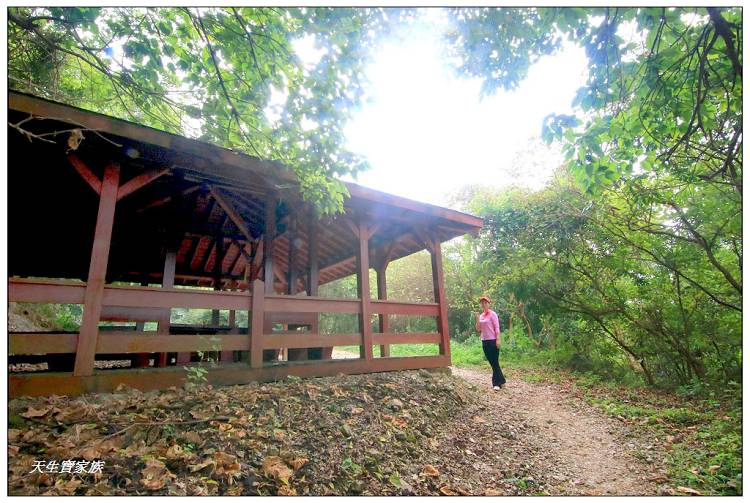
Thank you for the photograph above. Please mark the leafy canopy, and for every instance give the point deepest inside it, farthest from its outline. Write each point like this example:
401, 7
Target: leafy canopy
212, 73
664, 87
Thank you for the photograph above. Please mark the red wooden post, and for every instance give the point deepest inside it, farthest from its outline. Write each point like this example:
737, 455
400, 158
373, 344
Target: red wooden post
439, 287
257, 324
232, 321
92, 300
313, 279
218, 259
363, 288
140, 360
167, 281
268, 242
269, 267
383, 321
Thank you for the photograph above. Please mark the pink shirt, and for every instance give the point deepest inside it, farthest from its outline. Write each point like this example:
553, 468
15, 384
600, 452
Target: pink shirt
489, 326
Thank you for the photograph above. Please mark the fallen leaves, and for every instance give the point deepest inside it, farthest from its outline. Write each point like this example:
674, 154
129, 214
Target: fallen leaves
384, 434
447, 491
274, 466
430, 471
32, 412
286, 491
689, 490
155, 475
227, 467
298, 463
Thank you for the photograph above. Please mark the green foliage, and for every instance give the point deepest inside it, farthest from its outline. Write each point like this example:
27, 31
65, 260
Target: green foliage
641, 270
211, 73
663, 93
591, 284
707, 451
52, 317
195, 376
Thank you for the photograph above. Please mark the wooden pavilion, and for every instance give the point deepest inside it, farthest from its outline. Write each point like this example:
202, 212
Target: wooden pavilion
132, 222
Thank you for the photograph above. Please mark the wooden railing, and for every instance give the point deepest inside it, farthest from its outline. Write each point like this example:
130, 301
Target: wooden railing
139, 303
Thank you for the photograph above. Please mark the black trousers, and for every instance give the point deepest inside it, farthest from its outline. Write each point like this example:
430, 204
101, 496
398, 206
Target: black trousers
492, 353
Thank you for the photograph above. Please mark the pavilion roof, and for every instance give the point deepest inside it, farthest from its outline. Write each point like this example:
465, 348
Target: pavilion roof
202, 197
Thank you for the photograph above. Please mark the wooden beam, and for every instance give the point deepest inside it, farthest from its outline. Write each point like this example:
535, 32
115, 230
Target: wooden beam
304, 340
290, 318
406, 338
439, 288
202, 155
165, 200
135, 296
231, 212
140, 181
240, 252
139, 314
92, 300
343, 260
404, 308
45, 291
88, 176
352, 226
423, 237
372, 229
32, 343
148, 342
363, 289
207, 256
47, 383
298, 304
390, 200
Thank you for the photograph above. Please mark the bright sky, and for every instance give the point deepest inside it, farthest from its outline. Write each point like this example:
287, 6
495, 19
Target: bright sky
426, 133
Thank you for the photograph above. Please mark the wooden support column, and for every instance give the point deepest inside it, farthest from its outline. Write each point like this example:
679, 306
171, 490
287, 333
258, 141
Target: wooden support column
268, 266
268, 242
313, 282
162, 328
293, 354
218, 257
383, 321
140, 360
257, 323
439, 288
363, 289
92, 300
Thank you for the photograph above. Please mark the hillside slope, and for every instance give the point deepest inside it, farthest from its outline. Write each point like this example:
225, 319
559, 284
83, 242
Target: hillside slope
413, 432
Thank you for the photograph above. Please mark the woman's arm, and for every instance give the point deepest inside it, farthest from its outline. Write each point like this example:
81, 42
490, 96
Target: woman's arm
496, 325
477, 324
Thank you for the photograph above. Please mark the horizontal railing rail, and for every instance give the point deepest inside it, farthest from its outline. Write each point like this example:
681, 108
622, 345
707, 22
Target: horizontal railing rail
126, 342
294, 304
61, 292
406, 338
300, 340
141, 304
404, 308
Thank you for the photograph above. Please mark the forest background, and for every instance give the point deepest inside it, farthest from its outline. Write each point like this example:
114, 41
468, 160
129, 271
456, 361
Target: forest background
628, 264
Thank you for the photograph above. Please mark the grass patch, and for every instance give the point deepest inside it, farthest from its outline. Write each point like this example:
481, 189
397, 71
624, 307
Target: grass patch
702, 441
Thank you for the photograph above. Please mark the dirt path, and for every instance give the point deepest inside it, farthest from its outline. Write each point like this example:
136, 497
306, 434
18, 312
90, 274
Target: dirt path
572, 446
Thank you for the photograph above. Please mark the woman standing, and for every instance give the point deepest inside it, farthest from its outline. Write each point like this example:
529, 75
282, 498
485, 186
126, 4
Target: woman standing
488, 326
